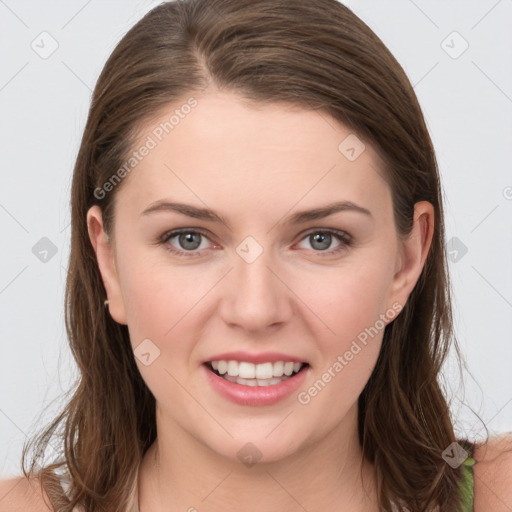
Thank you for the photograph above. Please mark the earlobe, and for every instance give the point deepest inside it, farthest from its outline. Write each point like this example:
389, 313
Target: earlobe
106, 264
413, 252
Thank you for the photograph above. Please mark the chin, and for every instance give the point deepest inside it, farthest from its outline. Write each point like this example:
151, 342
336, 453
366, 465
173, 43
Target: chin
257, 447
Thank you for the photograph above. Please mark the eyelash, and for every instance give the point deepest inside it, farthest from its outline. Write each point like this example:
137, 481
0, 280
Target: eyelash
344, 238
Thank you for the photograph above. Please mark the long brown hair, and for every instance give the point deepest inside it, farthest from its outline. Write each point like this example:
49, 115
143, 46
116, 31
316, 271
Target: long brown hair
316, 55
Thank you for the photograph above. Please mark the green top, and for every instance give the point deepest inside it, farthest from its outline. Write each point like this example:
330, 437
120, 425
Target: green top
466, 489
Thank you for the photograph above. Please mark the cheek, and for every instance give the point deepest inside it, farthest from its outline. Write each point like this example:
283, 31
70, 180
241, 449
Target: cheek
353, 305
165, 305
348, 300
158, 297
159, 310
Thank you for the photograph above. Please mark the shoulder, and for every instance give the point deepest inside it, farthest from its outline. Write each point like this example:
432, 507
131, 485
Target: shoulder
22, 495
493, 474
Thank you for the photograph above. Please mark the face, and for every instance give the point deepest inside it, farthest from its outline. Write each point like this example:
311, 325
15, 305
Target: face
254, 281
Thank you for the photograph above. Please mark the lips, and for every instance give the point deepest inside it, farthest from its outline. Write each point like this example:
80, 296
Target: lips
254, 379
255, 396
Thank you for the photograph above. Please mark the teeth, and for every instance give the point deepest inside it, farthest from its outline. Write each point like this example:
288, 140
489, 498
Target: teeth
288, 368
278, 369
256, 382
248, 370
263, 371
233, 369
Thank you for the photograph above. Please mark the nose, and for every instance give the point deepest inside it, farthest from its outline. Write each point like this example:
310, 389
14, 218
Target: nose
257, 299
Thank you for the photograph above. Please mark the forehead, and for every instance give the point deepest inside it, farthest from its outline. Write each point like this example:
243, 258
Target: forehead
229, 153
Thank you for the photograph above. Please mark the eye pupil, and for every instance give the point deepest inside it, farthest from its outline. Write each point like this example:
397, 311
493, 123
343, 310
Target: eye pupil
323, 238
188, 238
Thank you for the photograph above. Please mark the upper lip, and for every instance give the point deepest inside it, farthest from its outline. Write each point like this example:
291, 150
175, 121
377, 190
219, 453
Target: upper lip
263, 357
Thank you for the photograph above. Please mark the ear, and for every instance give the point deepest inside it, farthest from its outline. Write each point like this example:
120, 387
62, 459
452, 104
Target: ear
413, 253
105, 255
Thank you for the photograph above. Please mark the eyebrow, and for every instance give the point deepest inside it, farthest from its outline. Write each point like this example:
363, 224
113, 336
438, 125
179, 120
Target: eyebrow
297, 218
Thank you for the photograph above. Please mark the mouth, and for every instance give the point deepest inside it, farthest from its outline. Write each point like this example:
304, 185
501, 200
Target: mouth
249, 374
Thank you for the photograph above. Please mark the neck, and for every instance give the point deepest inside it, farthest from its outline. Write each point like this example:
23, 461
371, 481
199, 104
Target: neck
180, 473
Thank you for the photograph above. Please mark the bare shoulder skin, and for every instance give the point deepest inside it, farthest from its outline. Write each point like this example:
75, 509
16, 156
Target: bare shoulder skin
19, 494
493, 475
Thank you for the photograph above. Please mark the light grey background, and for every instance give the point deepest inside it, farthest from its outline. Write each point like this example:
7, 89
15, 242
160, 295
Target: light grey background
467, 101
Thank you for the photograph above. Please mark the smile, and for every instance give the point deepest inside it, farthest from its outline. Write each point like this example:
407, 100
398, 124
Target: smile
245, 375
250, 374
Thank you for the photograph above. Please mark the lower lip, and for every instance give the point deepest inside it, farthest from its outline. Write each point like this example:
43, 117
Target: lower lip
255, 395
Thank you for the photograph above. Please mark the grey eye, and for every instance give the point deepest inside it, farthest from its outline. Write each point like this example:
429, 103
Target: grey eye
189, 241
320, 241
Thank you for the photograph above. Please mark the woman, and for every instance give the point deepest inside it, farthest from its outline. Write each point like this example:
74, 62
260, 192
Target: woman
256, 200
